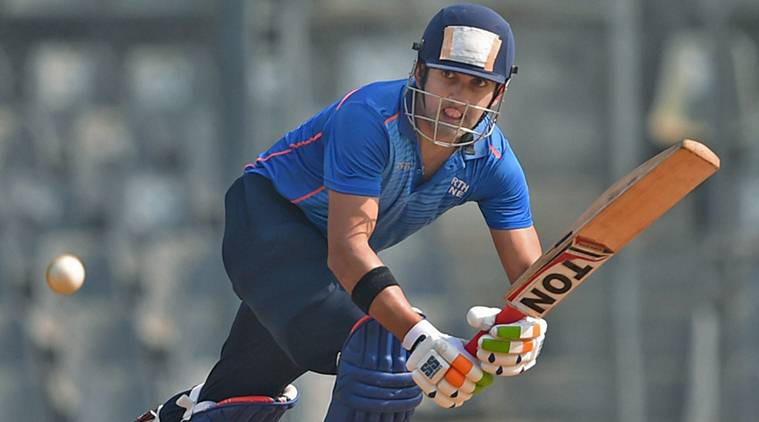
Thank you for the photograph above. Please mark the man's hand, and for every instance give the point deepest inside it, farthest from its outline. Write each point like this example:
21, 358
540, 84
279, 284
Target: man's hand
441, 367
507, 349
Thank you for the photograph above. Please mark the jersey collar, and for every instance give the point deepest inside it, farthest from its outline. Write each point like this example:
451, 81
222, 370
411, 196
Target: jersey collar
479, 149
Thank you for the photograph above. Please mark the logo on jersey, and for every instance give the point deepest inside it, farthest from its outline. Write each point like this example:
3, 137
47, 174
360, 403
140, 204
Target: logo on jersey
404, 166
458, 187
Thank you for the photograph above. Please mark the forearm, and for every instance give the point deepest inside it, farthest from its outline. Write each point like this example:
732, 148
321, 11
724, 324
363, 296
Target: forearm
394, 312
349, 261
390, 307
517, 250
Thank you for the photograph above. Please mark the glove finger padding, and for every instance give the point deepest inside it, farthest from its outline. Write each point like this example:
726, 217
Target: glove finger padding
483, 318
500, 345
507, 349
445, 371
453, 392
526, 328
487, 379
429, 389
508, 358
508, 371
505, 359
442, 393
452, 350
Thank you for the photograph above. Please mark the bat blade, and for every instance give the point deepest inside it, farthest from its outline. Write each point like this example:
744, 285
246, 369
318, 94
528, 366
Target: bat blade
627, 208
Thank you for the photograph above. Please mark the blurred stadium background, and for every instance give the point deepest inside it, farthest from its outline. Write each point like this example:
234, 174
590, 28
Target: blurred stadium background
123, 122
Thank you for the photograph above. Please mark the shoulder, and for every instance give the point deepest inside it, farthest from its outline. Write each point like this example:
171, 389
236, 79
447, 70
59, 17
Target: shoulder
499, 148
500, 168
494, 153
363, 116
380, 100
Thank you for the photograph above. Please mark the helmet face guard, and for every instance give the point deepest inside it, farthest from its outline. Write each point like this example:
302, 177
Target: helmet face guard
464, 135
470, 39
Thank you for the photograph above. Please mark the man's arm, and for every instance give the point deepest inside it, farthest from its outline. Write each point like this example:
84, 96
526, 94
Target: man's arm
455, 374
350, 224
517, 249
508, 349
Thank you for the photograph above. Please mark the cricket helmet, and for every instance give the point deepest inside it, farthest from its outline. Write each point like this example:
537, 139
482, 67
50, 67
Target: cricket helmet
470, 39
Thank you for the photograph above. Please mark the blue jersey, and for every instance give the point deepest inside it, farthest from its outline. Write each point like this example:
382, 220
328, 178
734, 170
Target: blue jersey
364, 145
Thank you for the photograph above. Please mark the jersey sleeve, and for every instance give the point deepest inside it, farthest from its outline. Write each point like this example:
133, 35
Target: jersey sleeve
356, 151
505, 200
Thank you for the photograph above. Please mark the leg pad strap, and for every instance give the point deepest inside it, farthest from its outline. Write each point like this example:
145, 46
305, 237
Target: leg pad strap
249, 408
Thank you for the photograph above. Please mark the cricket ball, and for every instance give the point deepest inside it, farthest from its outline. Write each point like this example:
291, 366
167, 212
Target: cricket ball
65, 274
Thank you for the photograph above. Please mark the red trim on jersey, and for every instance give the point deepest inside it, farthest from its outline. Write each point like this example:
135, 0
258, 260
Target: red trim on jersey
495, 152
291, 148
297, 145
393, 117
308, 195
345, 98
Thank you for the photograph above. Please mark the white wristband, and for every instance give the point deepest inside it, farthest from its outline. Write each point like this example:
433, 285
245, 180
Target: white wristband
422, 327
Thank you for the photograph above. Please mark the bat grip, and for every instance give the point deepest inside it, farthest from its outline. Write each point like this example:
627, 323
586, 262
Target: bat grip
506, 316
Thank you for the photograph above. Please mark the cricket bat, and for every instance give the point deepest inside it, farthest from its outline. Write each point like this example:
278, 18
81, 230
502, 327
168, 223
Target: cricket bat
627, 208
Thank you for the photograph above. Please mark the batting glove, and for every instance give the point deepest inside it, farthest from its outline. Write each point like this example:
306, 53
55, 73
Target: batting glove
507, 349
441, 367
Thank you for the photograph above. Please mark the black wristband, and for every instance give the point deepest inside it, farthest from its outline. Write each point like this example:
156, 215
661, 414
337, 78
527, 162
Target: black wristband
370, 285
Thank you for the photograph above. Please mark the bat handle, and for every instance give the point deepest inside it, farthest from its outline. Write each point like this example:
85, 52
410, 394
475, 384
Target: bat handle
506, 316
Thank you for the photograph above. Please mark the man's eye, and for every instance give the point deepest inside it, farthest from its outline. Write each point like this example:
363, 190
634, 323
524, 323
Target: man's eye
448, 74
480, 83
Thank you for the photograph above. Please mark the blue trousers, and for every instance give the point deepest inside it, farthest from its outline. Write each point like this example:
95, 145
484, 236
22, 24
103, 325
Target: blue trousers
294, 315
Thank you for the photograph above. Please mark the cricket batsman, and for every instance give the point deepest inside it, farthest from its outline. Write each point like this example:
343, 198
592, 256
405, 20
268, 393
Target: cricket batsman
305, 221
